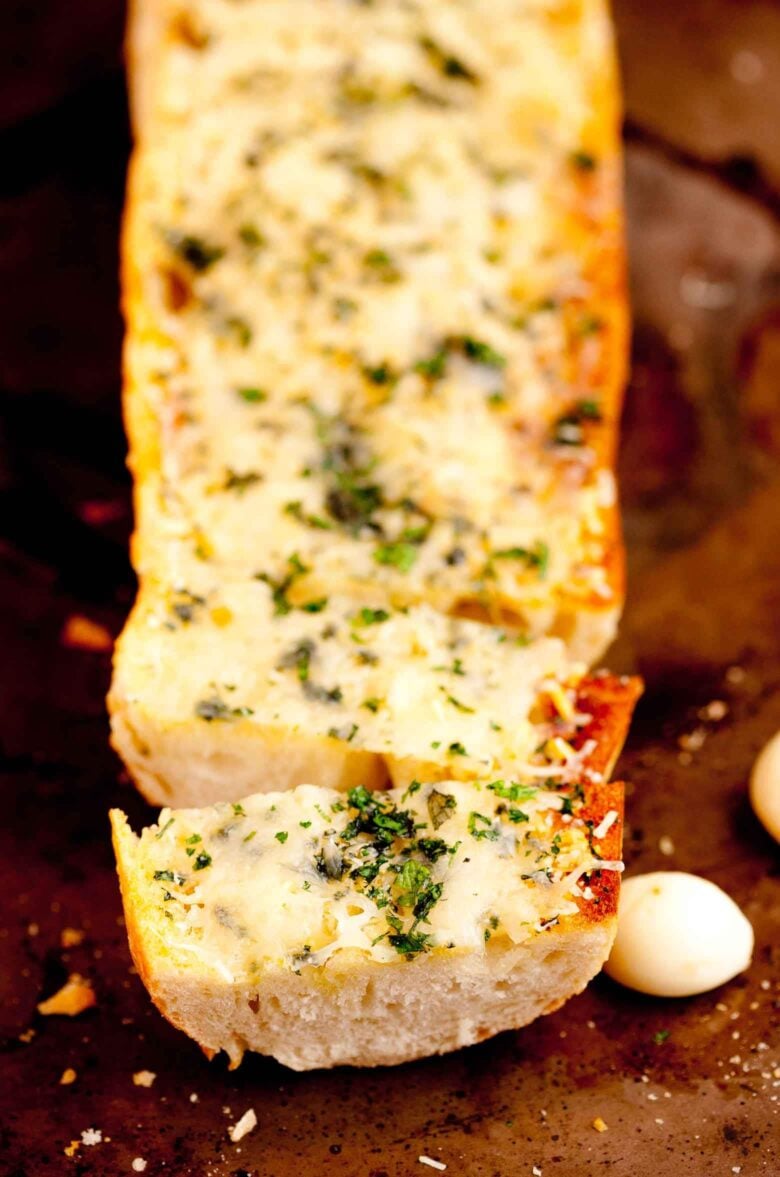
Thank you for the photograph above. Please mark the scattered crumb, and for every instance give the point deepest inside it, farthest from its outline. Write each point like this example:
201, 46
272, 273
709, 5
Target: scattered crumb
537, 1172
714, 711
82, 634
72, 999
27, 1035
91, 1136
70, 1149
735, 675
599, 1124
144, 1078
33, 929
693, 741
67, 1077
138, 1165
245, 1125
666, 845
71, 937
431, 1163
194, 1097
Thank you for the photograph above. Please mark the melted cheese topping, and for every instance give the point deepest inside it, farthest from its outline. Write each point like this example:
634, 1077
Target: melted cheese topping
287, 880
408, 683
372, 299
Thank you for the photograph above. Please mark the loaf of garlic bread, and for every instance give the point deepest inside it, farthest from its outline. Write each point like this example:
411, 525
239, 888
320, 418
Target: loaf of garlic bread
374, 291
376, 328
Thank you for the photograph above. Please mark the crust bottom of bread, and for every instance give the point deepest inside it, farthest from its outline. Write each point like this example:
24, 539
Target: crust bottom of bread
359, 1012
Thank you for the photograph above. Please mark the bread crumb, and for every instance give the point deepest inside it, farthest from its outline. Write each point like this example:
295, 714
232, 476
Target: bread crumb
70, 1149
431, 1163
537, 1172
33, 929
599, 1124
67, 1077
715, 711
244, 1126
27, 1035
144, 1078
138, 1165
72, 999
71, 937
82, 634
91, 1136
666, 845
194, 1097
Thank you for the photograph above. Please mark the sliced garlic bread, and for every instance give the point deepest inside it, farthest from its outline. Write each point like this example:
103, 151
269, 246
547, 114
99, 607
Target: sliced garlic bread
259, 686
372, 928
374, 290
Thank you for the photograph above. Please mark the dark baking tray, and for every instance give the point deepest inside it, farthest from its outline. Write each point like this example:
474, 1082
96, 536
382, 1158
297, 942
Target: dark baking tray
687, 1087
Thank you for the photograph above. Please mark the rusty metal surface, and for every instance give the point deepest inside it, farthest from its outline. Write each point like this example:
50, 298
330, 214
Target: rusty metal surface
684, 1087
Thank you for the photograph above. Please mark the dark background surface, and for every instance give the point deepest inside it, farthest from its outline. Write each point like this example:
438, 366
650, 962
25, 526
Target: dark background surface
686, 1086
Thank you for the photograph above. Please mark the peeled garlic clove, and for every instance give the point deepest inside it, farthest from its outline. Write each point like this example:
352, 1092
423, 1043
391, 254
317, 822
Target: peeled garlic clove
765, 787
677, 935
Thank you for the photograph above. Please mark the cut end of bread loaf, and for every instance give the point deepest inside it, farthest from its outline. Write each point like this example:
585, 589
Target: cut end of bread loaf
376, 928
217, 695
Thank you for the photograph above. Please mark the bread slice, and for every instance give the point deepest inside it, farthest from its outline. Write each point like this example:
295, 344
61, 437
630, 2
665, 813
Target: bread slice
377, 927
259, 686
373, 280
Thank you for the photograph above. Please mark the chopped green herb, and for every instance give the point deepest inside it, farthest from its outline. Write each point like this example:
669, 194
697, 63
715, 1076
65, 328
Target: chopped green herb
584, 161
197, 253
304, 824
251, 236
380, 374
456, 703
457, 749
168, 876
202, 861
371, 704
483, 353
238, 809
512, 790
295, 511
315, 606
345, 733
434, 367
298, 657
371, 617
167, 826
660, 1037
446, 63
432, 848
517, 815
482, 827
240, 482
537, 557
281, 836
400, 555
280, 588
215, 709
253, 396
